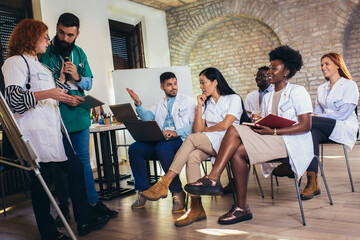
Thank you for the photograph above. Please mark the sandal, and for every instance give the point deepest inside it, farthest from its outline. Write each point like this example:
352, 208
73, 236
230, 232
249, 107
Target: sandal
205, 186
235, 215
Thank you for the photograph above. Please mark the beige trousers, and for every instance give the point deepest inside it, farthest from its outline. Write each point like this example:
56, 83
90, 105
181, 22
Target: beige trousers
195, 149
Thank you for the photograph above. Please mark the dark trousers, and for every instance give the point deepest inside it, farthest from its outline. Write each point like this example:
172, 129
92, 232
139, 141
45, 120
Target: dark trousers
41, 202
164, 151
320, 131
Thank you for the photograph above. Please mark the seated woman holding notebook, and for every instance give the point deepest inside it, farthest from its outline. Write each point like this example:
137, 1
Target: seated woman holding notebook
218, 107
243, 145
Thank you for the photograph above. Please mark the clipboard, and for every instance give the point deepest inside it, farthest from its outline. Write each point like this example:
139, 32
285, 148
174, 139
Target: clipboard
90, 102
272, 121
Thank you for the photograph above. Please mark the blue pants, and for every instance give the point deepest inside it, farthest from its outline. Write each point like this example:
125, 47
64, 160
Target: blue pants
80, 142
41, 202
164, 151
321, 130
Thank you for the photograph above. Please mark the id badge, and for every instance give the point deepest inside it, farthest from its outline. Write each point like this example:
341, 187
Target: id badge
286, 106
183, 112
338, 103
43, 76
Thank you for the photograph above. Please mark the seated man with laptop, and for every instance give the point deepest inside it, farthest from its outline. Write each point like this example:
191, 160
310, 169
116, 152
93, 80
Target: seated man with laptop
175, 116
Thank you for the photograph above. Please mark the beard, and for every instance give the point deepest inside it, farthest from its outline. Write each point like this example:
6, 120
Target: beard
62, 47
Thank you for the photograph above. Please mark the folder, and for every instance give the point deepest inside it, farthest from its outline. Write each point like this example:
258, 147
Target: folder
272, 121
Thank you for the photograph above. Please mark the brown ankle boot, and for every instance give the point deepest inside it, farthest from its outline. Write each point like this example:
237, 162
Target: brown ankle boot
195, 213
158, 190
312, 187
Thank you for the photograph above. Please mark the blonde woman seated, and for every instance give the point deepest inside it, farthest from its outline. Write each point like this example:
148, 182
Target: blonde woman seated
217, 109
243, 145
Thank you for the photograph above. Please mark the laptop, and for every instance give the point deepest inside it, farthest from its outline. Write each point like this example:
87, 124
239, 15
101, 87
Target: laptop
123, 112
145, 131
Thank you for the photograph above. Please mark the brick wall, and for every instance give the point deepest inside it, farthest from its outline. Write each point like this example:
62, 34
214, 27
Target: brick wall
236, 35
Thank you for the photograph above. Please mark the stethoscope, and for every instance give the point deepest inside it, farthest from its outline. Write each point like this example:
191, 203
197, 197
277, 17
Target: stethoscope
28, 86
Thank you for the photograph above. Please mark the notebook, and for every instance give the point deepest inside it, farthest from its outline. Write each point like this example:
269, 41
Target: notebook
272, 121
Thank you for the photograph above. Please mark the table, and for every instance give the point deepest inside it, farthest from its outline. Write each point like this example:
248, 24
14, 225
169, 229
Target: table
110, 164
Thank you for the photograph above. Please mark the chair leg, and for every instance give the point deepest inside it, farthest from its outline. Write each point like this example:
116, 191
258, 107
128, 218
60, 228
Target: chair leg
277, 182
321, 160
3, 191
325, 182
272, 188
228, 169
258, 181
300, 203
348, 168
203, 167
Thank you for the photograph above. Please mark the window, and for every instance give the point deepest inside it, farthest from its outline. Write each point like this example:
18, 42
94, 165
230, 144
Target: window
127, 45
11, 12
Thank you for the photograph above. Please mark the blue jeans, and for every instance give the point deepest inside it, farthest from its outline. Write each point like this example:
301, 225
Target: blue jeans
80, 141
321, 130
41, 202
164, 151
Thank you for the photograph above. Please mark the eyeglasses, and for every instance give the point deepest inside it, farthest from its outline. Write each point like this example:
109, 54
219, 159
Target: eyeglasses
261, 76
47, 38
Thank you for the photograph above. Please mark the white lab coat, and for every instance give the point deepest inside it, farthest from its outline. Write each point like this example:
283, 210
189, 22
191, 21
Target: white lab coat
343, 91
40, 125
183, 111
216, 112
252, 103
294, 101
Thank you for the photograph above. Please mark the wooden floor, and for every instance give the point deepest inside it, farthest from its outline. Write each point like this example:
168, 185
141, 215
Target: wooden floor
273, 219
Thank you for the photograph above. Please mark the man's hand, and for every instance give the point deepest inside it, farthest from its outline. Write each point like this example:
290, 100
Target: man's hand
169, 134
134, 96
70, 68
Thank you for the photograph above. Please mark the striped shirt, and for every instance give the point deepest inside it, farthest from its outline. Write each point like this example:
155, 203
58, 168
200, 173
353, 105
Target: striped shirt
19, 100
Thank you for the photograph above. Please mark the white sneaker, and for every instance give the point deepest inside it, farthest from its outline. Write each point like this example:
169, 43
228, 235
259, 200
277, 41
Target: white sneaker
140, 202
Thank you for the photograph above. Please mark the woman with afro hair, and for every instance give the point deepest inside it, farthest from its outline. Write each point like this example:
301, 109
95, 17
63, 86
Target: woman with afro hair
244, 146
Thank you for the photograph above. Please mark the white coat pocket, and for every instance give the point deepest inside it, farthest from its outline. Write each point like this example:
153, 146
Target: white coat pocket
183, 112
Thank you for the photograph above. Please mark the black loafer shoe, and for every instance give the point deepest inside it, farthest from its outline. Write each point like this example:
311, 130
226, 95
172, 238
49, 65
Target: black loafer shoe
93, 225
283, 170
235, 215
100, 209
205, 186
61, 236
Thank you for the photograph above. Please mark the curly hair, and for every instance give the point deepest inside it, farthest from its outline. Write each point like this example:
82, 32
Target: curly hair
339, 62
25, 36
291, 58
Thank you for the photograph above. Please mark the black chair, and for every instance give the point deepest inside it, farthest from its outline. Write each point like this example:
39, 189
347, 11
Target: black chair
286, 160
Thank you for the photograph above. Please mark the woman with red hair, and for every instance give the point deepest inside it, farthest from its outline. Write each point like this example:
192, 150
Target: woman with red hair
33, 97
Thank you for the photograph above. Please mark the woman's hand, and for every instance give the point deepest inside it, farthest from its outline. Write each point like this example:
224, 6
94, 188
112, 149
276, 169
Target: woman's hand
263, 130
201, 99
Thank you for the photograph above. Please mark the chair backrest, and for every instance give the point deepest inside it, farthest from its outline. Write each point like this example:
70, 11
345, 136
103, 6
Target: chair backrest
356, 112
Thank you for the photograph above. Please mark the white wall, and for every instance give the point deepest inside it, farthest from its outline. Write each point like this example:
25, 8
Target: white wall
94, 36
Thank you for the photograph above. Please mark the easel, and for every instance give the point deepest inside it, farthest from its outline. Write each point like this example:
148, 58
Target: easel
26, 157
